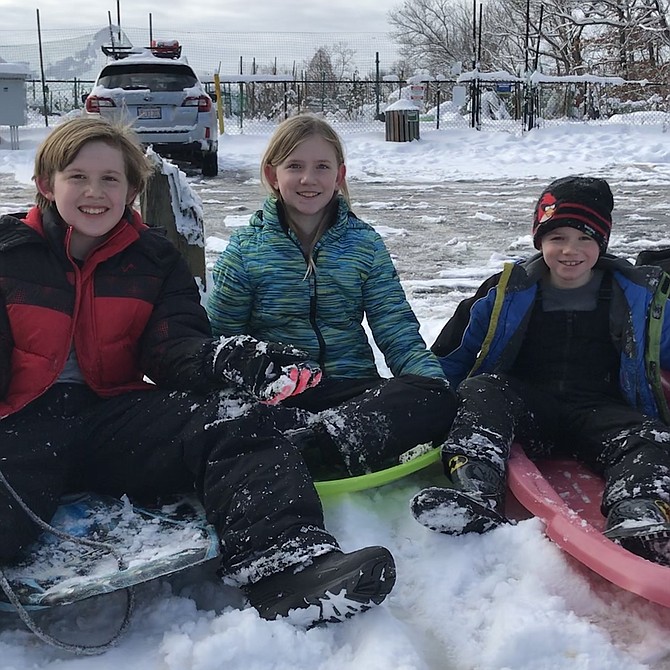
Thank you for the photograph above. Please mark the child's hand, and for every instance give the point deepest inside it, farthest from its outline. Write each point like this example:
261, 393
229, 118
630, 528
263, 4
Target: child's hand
270, 371
293, 379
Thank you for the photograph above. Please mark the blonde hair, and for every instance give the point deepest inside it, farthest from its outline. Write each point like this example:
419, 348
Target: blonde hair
63, 144
288, 135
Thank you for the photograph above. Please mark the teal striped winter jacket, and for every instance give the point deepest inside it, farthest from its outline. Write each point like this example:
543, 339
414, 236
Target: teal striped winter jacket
260, 289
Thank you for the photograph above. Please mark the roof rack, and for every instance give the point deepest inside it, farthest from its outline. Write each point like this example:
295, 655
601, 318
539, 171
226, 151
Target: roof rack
159, 48
117, 52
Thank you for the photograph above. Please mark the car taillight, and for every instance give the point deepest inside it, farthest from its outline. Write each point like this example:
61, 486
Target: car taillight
203, 103
94, 103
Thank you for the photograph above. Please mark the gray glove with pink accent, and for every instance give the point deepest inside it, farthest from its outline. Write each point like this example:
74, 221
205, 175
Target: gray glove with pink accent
272, 372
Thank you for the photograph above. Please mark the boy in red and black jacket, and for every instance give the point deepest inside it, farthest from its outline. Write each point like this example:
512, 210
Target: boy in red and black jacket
111, 381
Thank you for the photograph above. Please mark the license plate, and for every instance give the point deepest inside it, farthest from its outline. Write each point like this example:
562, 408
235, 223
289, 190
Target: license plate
148, 112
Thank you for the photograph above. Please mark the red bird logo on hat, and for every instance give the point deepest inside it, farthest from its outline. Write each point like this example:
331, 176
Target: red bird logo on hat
546, 207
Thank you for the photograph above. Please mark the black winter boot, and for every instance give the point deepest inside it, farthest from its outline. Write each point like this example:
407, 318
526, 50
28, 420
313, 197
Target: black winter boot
334, 587
642, 526
474, 504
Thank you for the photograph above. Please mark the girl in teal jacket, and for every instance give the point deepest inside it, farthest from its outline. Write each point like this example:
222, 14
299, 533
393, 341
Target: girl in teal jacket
307, 272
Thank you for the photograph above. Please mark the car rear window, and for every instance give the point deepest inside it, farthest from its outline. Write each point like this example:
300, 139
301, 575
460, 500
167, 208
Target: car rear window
148, 76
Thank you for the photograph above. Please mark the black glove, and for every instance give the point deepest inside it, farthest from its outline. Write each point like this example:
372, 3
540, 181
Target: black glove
271, 372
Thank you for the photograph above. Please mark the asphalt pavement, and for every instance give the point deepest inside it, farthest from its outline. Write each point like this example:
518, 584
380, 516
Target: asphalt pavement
432, 228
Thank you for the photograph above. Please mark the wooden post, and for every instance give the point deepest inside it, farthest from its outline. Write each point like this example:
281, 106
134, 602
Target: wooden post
156, 207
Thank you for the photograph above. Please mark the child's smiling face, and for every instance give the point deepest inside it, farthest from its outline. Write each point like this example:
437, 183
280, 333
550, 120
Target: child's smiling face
570, 255
307, 178
91, 194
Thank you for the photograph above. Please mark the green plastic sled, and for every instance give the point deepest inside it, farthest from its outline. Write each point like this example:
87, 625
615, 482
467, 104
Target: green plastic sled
379, 478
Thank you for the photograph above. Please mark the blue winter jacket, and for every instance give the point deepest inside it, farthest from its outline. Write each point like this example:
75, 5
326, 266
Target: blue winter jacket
260, 289
486, 331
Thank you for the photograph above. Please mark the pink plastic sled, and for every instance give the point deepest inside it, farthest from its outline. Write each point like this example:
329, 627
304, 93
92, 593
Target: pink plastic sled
566, 496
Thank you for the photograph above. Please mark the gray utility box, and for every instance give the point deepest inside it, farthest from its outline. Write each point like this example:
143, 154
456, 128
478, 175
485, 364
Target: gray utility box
13, 107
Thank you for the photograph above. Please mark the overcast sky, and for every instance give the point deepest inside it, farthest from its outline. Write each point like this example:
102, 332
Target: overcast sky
214, 15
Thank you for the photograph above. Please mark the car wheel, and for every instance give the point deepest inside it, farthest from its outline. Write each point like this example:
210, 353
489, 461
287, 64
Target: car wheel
210, 164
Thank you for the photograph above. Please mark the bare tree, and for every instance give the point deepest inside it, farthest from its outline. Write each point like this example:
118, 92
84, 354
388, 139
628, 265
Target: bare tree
639, 44
608, 37
433, 34
342, 59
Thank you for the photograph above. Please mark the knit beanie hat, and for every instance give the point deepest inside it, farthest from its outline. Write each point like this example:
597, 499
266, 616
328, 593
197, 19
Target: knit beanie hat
584, 203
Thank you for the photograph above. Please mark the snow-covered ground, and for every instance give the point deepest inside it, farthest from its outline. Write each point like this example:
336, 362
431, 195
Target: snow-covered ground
506, 600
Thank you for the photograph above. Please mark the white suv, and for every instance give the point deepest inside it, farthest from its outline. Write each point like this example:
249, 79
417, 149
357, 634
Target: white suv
157, 91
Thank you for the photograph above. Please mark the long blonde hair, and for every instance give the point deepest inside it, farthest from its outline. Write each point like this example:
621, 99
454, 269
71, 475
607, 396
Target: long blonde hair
287, 136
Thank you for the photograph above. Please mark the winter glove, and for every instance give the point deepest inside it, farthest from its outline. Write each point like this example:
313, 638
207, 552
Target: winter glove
271, 372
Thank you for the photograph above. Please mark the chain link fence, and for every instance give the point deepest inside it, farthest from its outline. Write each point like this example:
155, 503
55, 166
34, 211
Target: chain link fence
76, 53
349, 78
358, 105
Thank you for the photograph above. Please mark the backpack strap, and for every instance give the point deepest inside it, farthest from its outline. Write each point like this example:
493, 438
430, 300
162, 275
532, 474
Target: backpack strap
660, 379
501, 289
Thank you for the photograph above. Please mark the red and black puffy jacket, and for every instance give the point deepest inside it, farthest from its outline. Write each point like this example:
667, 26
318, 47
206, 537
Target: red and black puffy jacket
131, 310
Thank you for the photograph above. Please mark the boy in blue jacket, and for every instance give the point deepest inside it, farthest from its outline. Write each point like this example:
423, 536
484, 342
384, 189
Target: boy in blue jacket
563, 354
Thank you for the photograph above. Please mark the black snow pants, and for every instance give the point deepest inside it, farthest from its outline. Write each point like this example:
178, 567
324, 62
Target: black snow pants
253, 483
373, 421
629, 449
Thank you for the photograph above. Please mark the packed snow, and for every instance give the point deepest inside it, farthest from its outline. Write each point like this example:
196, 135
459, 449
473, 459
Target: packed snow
509, 599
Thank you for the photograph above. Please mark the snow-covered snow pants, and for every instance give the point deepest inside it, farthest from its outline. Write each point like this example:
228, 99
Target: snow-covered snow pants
629, 449
255, 487
373, 421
